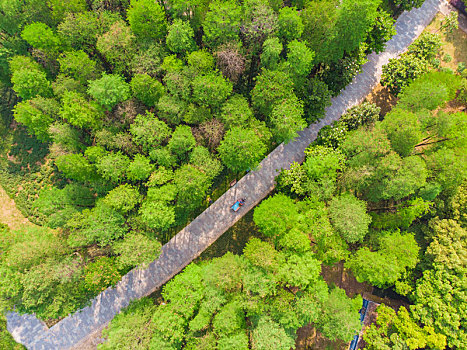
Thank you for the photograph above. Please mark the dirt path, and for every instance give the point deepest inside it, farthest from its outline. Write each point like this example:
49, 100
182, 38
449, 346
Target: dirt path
9, 214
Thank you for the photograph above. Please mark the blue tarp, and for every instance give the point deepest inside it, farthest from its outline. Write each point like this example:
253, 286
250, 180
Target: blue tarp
353, 344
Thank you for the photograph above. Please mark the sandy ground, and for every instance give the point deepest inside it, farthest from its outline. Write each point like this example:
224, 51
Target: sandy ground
9, 214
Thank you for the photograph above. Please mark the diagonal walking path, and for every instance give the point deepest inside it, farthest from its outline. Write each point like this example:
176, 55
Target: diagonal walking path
190, 242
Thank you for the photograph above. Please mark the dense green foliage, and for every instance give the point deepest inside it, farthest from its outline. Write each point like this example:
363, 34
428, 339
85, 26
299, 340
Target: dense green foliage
395, 191
140, 107
260, 298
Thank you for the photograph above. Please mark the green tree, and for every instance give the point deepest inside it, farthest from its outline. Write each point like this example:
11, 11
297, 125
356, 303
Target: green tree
59, 205
269, 335
319, 25
270, 55
395, 329
61, 8
276, 216
286, 119
101, 274
290, 24
52, 289
422, 94
328, 245
27, 78
399, 72
448, 166
41, 36
79, 31
354, 20
123, 198
241, 149
148, 131
339, 318
365, 114
147, 19
131, 328
163, 157
117, 45
157, 214
222, 23
315, 96
384, 267
201, 61
180, 37
260, 21
113, 166
76, 166
136, 250
30, 246
78, 65
192, 185
300, 270
270, 88
109, 90
408, 4
78, 111
147, 89
349, 217
182, 141
299, 61
262, 254
236, 111
37, 115
140, 168
189, 10
229, 319
101, 225
321, 167
382, 31
211, 90
403, 130
205, 161
237, 341
64, 83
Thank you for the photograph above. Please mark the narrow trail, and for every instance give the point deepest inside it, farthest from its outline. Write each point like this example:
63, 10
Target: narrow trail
190, 242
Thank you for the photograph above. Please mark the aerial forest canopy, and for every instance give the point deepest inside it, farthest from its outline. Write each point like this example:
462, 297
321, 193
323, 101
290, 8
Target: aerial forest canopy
387, 197
132, 115
137, 110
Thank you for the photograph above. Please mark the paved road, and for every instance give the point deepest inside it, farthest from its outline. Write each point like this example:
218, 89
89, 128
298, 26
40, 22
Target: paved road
190, 242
